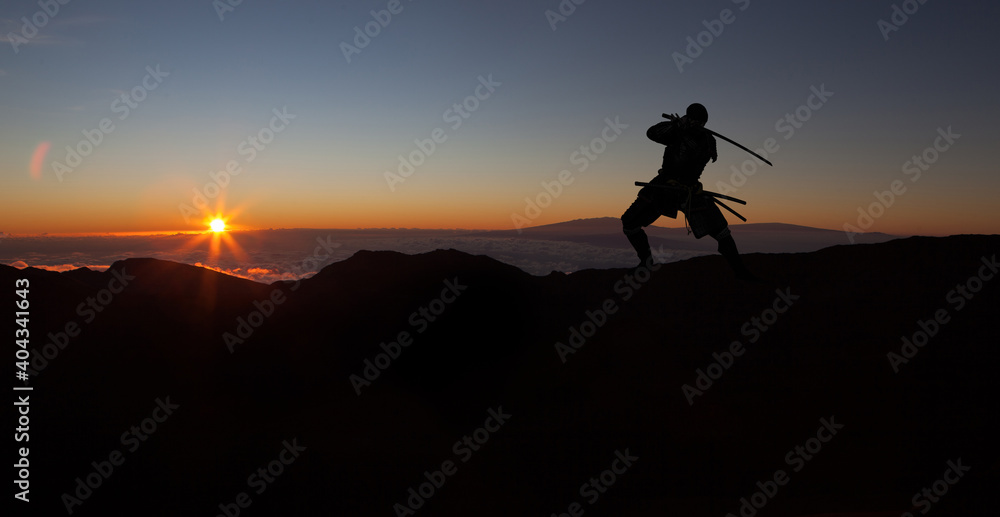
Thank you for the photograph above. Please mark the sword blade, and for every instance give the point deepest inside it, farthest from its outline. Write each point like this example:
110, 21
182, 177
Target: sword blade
761, 158
708, 192
734, 212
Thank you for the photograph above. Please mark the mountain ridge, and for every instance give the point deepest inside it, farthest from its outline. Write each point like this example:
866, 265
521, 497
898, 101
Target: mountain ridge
493, 345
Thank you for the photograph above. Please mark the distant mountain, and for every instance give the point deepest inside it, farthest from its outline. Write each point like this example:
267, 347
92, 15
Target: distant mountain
679, 392
270, 255
751, 237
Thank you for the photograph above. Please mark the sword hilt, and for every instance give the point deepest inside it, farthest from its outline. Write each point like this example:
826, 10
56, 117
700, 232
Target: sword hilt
765, 160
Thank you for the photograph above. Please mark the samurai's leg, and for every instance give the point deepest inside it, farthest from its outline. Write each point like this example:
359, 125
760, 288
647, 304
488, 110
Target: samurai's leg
642, 213
727, 247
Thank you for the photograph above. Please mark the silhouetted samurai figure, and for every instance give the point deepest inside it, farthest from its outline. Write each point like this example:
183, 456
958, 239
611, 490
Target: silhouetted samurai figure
689, 146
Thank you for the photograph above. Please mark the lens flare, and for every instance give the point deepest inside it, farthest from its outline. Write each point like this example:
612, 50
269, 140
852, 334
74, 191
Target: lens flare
38, 160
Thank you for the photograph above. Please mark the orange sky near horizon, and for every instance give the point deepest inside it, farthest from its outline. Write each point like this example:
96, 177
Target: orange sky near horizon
432, 201
429, 200
85, 217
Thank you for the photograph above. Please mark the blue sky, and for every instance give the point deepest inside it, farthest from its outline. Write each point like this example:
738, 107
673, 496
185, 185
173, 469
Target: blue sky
556, 88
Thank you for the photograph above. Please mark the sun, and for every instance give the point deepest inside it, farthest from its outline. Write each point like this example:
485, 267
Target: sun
219, 235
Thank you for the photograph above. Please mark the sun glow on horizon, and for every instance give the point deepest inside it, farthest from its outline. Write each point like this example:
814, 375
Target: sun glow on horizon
218, 237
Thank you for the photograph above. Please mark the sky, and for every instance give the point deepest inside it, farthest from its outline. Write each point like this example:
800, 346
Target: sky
123, 116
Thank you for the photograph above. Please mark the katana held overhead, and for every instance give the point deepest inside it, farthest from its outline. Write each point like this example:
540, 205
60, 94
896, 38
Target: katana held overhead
672, 117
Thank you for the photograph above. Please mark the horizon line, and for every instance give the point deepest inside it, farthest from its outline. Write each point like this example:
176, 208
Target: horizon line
170, 233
